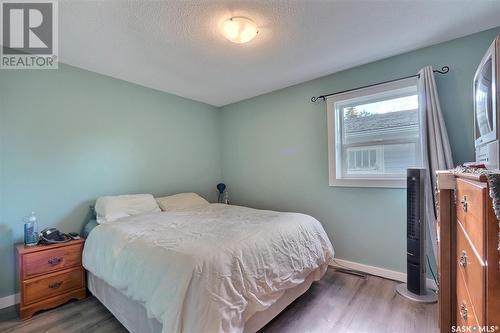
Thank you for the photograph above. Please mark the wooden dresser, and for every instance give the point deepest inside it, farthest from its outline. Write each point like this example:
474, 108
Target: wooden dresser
49, 275
469, 259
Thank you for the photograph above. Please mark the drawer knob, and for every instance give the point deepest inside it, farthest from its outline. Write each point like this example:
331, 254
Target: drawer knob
464, 203
55, 285
463, 311
463, 259
54, 261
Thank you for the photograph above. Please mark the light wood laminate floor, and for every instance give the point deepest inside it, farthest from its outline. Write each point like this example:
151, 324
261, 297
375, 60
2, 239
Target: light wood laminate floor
338, 303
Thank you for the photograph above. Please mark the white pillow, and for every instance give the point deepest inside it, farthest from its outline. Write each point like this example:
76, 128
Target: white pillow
181, 202
111, 208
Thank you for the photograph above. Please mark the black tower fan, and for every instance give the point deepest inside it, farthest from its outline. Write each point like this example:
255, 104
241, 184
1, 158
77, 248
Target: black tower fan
415, 289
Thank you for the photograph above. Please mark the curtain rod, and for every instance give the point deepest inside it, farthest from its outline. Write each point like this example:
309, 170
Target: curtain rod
444, 70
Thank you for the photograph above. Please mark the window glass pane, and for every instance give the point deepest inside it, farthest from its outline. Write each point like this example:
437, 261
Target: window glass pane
376, 133
366, 154
362, 160
397, 158
373, 156
380, 120
351, 160
381, 160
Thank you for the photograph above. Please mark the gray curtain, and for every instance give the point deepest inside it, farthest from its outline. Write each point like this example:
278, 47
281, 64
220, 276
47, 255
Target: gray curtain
435, 146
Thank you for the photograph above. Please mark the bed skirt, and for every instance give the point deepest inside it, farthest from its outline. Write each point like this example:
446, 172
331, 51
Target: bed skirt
132, 314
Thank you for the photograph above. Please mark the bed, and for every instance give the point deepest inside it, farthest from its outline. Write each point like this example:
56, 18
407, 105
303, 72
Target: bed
216, 268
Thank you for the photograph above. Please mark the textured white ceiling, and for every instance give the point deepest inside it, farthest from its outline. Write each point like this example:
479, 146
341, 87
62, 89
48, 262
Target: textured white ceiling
176, 46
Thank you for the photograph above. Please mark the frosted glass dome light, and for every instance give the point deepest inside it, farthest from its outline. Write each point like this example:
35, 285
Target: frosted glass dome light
239, 29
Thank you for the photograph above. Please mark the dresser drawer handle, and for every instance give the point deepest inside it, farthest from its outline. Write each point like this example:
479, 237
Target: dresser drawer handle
55, 285
54, 261
464, 203
463, 311
463, 259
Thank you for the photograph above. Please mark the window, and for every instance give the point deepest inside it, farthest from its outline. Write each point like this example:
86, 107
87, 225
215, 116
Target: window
374, 135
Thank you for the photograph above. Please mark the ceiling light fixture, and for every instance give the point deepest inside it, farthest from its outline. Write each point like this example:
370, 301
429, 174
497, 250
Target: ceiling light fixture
239, 29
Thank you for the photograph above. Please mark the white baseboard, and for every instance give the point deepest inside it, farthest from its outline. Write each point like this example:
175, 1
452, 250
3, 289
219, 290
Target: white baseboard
10, 300
377, 271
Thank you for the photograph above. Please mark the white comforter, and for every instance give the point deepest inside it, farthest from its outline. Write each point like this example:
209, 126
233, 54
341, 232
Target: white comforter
210, 269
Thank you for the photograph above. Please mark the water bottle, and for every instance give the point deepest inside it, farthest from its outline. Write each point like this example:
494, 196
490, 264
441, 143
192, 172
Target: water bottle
30, 230
226, 197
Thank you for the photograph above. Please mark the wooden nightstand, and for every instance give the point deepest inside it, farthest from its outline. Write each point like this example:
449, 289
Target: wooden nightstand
49, 275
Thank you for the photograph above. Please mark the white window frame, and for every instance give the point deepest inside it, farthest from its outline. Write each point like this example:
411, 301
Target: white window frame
336, 177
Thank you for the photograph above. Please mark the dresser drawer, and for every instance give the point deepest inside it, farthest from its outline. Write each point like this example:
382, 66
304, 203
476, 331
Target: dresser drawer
51, 260
472, 269
52, 285
471, 210
465, 312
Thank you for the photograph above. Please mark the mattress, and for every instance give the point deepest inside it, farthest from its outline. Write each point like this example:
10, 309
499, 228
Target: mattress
209, 269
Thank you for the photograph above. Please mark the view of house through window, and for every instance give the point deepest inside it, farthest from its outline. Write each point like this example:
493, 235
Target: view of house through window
386, 121
376, 133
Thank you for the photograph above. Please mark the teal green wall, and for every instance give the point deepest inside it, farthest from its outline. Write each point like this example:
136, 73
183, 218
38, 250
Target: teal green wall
68, 136
275, 150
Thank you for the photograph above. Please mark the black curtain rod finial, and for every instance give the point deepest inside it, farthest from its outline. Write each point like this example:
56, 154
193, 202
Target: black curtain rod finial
444, 70
314, 99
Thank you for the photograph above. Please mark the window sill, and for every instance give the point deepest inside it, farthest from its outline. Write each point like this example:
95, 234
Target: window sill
369, 182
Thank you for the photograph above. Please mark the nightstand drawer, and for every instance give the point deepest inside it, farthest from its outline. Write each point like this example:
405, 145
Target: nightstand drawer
52, 285
51, 260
